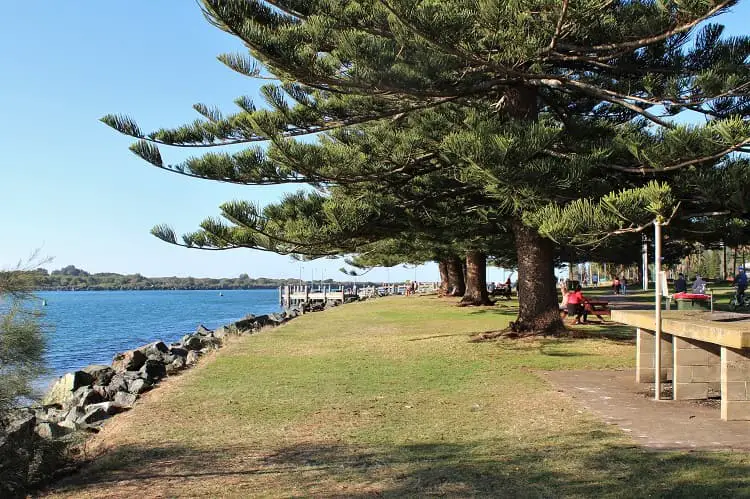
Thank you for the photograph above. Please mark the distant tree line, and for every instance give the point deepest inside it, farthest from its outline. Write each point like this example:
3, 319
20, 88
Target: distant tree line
71, 278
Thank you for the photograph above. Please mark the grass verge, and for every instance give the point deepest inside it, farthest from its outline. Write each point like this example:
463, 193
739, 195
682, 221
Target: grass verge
389, 398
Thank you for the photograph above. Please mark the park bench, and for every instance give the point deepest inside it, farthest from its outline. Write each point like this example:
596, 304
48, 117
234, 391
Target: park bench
702, 353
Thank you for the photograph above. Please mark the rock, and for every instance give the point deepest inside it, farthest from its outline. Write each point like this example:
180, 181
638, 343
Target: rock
17, 444
194, 343
246, 324
153, 370
50, 414
178, 351
128, 361
177, 365
119, 383
93, 414
139, 386
63, 389
156, 358
73, 415
192, 358
111, 408
101, 374
155, 348
102, 391
277, 318
203, 330
52, 431
125, 399
86, 396
222, 332
68, 425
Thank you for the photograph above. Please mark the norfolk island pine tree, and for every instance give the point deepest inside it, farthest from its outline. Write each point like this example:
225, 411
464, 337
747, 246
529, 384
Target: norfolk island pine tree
532, 66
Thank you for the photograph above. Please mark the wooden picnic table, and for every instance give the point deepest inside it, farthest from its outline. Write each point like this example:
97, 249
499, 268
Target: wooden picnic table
598, 308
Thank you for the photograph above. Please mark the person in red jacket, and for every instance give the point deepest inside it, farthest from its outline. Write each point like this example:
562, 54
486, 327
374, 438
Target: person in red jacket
577, 305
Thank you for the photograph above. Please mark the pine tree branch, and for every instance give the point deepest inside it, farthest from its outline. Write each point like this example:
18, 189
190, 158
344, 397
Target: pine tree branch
633, 44
684, 164
558, 28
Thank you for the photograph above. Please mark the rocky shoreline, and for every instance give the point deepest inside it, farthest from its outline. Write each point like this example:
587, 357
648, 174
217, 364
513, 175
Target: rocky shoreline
34, 443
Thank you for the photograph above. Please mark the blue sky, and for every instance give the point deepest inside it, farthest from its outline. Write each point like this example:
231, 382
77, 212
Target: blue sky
69, 185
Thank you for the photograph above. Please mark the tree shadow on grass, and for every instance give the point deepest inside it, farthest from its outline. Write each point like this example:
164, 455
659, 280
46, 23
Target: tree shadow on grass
591, 463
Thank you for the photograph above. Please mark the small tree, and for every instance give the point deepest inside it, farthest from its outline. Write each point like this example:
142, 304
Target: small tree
21, 339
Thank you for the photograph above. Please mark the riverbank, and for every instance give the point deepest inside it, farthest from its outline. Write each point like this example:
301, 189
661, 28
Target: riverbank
388, 397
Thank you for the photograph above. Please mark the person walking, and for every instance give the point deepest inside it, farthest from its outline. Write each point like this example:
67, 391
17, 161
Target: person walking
741, 282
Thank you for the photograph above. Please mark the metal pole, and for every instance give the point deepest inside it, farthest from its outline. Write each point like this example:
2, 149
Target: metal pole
657, 315
644, 254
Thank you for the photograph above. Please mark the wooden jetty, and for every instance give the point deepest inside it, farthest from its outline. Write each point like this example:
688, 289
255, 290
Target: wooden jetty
290, 296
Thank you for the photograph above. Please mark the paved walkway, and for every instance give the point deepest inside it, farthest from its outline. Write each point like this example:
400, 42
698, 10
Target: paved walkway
683, 425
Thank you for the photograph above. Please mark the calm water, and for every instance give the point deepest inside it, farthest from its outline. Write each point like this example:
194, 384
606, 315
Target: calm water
89, 327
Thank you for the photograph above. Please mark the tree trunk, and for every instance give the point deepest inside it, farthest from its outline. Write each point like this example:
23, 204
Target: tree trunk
476, 280
457, 285
538, 310
445, 284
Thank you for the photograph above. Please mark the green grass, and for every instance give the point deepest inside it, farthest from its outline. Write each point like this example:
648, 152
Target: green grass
389, 398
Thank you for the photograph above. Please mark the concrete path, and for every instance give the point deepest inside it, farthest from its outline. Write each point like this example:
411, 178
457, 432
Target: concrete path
678, 425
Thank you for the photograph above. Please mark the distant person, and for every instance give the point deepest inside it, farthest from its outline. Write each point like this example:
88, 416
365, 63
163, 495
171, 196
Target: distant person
624, 286
564, 304
680, 284
508, 284
616, 285
577, 305
741, 282
699, 285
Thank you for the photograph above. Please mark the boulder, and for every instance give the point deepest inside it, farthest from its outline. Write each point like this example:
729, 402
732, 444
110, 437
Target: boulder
177, 365
194, 343
192, 358
73, 415
222, 332
93, 414
155, 348
153, 370
85, 396
139, 385
64, 387
119, 383
102, 391
101, 374
52, 431
245, 324
277, 318
157, 357
17, 444
125, 399
178, 352
128, 361
203, 330
50, 414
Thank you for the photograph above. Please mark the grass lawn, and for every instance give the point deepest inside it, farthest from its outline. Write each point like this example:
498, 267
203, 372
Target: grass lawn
388, 398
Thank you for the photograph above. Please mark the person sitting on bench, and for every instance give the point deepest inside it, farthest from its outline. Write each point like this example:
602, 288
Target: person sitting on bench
577, 305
